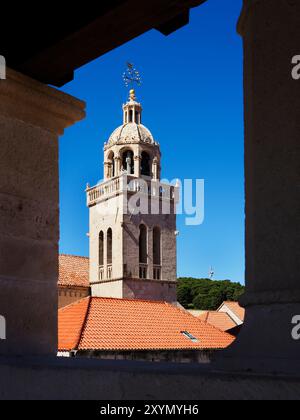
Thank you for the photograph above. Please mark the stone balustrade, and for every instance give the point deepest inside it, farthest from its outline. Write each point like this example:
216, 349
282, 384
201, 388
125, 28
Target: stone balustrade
130, 185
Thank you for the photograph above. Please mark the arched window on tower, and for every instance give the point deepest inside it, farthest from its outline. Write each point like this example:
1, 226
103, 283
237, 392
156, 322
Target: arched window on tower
156, 246
131, 116
128, 162
101, 249
113, 168
145, 164
109, 253
111, 165
143, 254
157, 253
137, 117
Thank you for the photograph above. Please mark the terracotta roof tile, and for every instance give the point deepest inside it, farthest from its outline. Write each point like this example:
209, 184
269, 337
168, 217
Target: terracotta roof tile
117, 324
236, 309
71, 321
73, 271
220, 320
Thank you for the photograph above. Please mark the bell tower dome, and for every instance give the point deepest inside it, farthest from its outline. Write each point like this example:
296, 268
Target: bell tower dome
131, 148
132, 254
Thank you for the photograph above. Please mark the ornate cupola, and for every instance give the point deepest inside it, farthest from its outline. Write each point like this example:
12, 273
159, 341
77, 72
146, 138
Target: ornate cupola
131, 148
132, 110
132, 255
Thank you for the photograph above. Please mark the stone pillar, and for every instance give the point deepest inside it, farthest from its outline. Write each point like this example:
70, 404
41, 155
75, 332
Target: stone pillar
32, 116
118, 165
137, 166
271, 33
155, 169
150, 253
106, 170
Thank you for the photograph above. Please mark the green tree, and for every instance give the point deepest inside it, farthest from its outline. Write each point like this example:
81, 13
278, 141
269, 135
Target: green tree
205, 294
184, 295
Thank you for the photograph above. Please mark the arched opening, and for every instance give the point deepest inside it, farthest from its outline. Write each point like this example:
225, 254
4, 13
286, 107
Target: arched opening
131, 116
143, 254
101, 249
156, 246
143, 245
128, 162
137, 117
111, 165
157, 253
109, 247
145, 164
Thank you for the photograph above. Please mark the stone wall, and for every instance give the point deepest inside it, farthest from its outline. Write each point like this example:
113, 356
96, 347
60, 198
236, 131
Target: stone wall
122, 380
150, 290
69, 295
172, 356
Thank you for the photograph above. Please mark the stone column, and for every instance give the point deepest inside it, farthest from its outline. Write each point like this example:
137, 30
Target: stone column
271, 33
137, 166
106, 170
32, 116
150, 253
118, 165
155, 169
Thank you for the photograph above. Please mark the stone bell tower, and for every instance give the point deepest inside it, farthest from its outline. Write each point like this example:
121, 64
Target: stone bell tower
133, 217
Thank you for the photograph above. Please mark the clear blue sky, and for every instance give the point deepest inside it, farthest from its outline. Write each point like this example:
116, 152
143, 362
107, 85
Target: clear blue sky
193, 104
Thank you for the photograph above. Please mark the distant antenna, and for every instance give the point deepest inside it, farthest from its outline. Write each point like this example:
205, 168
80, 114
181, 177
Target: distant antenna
211, 273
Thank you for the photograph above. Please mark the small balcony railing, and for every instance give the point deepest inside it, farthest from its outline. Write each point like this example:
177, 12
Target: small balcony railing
157, 272
143, 271
101, 272
105, 189
109, 272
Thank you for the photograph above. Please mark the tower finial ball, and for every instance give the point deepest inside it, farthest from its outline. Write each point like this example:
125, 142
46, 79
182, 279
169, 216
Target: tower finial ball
132, 95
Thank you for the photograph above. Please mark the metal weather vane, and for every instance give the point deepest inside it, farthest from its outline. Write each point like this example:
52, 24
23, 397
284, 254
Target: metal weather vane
132, 76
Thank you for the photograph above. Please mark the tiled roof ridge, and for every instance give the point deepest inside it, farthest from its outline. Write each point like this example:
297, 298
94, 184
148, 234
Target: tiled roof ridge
229, 316
74, 256
237, 306
158, 302
216, 312
207, 316
83, 326
220, 313
67, 285
228, 302
78, 309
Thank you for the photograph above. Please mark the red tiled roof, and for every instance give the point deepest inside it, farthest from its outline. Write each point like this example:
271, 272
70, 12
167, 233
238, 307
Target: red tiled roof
70, 323
220, 320
73, 271
236, 309
119, 324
